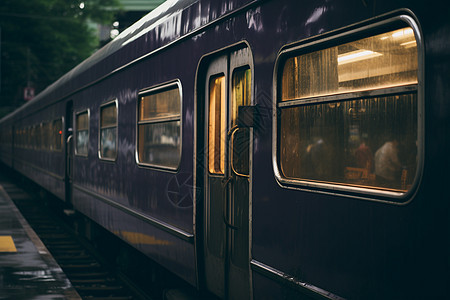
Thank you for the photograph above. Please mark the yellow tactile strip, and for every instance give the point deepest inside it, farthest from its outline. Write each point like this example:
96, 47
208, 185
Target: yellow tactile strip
7, 244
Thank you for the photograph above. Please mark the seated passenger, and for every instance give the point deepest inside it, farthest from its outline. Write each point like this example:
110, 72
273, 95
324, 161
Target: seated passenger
387, 165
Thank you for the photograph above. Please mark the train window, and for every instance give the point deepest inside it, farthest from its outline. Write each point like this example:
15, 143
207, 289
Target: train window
108, 131
46, 130
159, 126
241, 95
217, 123
39, 137
82, 133
348, 115
57, 135
34, 137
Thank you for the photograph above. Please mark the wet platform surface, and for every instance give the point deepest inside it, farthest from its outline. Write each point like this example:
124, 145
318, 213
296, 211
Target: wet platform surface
27, 269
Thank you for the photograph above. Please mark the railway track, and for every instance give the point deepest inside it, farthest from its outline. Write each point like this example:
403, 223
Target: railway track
92, 277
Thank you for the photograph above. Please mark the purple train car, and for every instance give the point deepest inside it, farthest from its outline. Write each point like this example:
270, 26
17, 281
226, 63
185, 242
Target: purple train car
261, 149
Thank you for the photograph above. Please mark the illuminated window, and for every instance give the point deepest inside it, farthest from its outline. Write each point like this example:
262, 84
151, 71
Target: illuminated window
108, 131
241, 90
349, 114
217, 125
159, 126
82, 133
382, 61
241, 95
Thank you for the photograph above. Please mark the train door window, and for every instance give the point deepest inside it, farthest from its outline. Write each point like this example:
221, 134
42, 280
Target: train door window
217, 124
82, 133
108, 131
348, 115
159, 126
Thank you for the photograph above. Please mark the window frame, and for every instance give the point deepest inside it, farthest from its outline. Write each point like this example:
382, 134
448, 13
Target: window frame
108, 103
76, 130
153, 90
335, 38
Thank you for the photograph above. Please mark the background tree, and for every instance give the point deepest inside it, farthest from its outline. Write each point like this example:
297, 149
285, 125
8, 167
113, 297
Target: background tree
43, 39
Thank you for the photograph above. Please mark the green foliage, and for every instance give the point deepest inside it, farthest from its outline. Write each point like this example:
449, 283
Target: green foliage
48, 38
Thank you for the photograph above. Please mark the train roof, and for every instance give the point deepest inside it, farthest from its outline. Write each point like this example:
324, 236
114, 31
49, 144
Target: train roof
170, 21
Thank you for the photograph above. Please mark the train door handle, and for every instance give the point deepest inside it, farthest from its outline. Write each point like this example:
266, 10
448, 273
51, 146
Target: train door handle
69, 157
225, 183
233, 169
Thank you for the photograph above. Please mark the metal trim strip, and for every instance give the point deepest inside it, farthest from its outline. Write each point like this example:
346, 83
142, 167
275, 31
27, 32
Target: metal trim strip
288, 280
351, 96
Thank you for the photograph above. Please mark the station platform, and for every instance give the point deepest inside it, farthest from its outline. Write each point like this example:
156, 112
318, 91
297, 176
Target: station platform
27, 269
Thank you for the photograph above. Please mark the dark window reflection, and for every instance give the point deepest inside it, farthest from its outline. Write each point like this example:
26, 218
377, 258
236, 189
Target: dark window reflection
82, 133
108, 131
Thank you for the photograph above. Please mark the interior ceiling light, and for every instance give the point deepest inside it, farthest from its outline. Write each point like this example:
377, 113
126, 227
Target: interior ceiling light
357, 55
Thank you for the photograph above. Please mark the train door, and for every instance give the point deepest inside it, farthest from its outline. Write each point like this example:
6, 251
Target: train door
68, 128
227, 180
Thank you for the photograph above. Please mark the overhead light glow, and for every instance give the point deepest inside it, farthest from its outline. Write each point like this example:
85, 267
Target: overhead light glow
356, 56
409, 44
114, 33
403, 33
81, 5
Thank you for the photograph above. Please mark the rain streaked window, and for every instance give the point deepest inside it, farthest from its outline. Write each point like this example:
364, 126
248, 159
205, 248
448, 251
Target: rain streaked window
108, 131
382, 61
159, 126
332, 131
82, 133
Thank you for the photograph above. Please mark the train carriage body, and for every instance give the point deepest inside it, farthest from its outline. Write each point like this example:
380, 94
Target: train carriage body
261, 149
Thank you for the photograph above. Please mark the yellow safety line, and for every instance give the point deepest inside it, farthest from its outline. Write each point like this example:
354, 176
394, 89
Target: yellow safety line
7, 244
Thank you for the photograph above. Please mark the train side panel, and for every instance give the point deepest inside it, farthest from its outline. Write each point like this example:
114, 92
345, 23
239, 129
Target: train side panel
309, 236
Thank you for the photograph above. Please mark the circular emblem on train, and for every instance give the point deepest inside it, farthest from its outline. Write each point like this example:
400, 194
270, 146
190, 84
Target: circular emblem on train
180, 190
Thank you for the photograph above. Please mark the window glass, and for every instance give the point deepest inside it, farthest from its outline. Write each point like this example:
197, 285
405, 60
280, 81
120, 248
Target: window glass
108, 131
241, 95
362, 141
217, 125
57, 135
380, 61
162, 143
82, 133
160, 105
108, 115
159, 126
